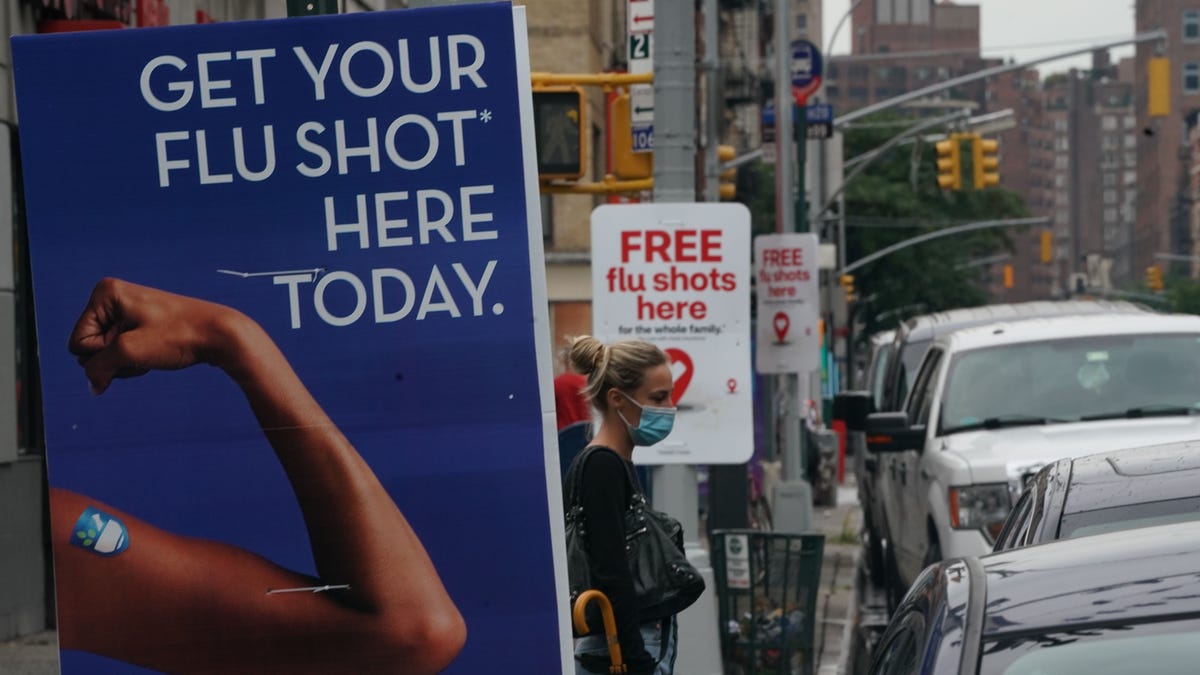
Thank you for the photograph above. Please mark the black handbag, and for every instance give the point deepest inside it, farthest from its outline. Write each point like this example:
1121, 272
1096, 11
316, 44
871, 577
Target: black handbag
664, 582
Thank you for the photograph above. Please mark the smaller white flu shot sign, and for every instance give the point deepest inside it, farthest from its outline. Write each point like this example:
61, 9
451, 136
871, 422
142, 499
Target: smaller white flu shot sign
678, 275
788, 286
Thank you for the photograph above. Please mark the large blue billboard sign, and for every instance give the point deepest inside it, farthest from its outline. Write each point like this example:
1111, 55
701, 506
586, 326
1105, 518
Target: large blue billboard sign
293, 342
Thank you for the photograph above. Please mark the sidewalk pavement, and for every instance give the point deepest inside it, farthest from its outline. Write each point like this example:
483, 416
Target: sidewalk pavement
836, 604
35, 654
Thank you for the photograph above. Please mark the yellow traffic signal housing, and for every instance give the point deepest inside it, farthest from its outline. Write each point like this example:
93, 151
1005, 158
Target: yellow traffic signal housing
1154, 280
1047, 246
847, 283
560, 123
949, 163
984, 162
727, 187
626, 164
1158, 87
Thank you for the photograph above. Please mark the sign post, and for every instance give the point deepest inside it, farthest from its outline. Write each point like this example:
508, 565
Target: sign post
640, 28
295, 264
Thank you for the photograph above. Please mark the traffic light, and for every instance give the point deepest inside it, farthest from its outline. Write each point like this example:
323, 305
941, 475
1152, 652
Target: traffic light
727, 188
984, 163
847, 283
949, 163
1158, 87
559, 121
1047, 246
626, 164
1154, 278
1008, 276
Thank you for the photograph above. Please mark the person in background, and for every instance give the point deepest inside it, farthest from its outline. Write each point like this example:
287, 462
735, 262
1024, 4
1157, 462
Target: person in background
629, 382
569, 402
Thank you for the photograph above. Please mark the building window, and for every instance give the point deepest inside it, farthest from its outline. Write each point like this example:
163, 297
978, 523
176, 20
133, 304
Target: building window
1130, 122
1130, 178
1191, 78
1108, 123
1191, 25
1060, 180
802, 23
921, 74
1110, 215
1130, 141
1110, 196
1110, 143
1130, 159
1110, 179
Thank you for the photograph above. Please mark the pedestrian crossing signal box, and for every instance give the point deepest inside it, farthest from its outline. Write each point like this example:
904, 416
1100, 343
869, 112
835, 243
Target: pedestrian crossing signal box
559, 122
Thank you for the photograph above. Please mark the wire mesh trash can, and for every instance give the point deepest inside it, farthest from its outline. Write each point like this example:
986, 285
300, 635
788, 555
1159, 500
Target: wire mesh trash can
767, 586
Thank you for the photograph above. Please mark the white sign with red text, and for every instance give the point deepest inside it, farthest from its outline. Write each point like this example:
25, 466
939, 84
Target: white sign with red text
678, 275
788, 287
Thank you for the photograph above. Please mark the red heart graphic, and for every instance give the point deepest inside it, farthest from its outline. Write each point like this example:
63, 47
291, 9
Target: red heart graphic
685, 378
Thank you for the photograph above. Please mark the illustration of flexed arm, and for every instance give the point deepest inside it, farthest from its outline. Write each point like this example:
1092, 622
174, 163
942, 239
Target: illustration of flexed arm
184, 605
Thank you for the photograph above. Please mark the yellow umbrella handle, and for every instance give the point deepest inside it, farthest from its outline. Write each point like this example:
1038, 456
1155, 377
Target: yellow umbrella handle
610, 625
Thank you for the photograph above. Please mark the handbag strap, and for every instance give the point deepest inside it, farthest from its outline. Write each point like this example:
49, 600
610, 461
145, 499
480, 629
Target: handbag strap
575, 475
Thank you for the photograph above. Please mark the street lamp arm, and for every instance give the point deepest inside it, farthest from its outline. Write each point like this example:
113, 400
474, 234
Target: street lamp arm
945, 232
986, 73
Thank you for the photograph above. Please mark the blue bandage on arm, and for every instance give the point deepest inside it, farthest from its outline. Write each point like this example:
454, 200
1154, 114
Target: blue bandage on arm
100, 533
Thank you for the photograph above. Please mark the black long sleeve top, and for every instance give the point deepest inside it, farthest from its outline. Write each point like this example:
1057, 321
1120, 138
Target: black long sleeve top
605, 495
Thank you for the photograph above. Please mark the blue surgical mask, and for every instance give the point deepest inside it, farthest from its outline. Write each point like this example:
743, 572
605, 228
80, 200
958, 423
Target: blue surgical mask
654, 425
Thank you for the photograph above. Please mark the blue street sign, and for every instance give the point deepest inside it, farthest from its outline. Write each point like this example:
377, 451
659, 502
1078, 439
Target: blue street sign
806, 63
819, 113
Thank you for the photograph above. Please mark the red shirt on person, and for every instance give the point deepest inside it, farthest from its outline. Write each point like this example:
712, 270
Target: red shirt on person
568, 399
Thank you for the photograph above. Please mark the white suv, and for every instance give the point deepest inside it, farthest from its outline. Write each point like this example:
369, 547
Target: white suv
991, 405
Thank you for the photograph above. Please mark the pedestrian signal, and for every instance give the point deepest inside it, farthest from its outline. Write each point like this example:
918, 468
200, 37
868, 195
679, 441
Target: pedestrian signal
727, 188
559, 123
984, 162
949, 163
626, 164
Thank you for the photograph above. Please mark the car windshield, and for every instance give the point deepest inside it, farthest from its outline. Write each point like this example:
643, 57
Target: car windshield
1067, 380
1128, 517
1109, 650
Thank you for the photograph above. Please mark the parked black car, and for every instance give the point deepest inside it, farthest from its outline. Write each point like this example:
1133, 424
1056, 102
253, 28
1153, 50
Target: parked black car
1109, 604
1106, 492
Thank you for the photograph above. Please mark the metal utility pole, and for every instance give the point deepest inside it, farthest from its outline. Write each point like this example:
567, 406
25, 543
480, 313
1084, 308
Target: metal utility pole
676, 486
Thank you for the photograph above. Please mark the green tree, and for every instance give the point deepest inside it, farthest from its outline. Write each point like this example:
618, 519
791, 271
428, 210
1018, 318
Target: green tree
897, 198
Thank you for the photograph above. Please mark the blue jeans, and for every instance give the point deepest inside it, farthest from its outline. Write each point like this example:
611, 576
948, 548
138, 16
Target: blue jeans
661, 639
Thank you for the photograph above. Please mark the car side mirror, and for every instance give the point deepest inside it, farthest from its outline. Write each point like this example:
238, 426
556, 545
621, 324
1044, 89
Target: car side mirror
852, 407
891, 432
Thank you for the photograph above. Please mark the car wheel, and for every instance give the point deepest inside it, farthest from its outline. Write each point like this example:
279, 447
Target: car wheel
933, 552
893, 587
874, 551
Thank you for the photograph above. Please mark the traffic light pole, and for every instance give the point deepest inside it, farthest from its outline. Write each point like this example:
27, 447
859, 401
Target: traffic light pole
676, 486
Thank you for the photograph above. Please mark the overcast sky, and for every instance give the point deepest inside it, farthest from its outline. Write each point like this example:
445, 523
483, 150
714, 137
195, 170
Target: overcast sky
1027, 29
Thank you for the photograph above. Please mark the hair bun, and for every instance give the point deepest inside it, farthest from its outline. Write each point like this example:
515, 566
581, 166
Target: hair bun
586, 354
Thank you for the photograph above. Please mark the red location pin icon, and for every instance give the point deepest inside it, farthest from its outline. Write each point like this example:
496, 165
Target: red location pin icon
681, 370
732, 384
782, 324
